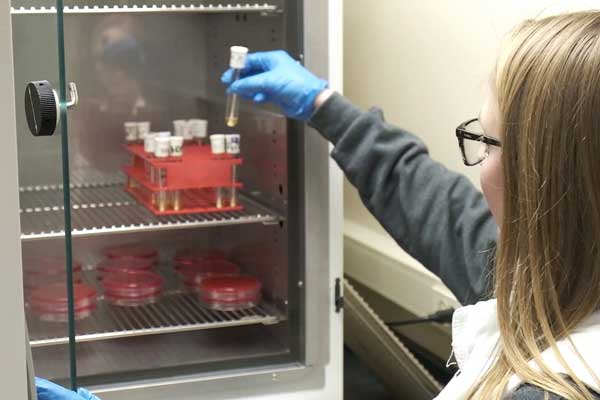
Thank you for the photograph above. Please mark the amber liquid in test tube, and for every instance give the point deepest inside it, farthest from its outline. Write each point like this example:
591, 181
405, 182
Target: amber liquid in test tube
237, 62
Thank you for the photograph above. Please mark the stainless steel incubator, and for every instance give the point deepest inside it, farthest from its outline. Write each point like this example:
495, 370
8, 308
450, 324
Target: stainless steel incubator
113, 61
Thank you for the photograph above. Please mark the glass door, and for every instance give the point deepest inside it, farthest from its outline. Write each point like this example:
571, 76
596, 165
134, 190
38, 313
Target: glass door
51, 279
155, 67
143, 229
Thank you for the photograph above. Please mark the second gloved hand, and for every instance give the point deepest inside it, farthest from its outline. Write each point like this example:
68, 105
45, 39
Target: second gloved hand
276, 77
47, 390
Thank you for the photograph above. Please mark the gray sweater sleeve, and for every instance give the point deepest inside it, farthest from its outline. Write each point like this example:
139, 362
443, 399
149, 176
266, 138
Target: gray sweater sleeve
434, 214
530, 392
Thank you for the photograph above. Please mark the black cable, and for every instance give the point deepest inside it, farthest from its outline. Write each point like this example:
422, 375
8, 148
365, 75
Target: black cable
442, 317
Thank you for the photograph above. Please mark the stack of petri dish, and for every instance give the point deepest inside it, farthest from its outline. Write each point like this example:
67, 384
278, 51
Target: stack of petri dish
42, 271
116, 265
132, 287
191, 274
50, 302
132, 252
193, 256
230, 293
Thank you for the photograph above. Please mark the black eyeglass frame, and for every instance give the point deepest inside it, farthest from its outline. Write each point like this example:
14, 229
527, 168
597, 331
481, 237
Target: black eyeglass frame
462, 134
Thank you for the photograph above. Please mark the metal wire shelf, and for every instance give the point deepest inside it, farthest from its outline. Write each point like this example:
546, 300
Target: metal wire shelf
152, 8
176, 312
108, 209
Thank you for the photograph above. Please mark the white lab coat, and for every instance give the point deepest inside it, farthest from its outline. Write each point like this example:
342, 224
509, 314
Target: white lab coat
475, 335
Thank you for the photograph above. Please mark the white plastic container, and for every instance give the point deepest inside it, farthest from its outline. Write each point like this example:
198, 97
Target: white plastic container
217, 144
131, 131
182, 128
143, 128
149, 143
198, 129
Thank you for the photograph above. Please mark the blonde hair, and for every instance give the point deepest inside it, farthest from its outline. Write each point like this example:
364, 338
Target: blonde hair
547, 275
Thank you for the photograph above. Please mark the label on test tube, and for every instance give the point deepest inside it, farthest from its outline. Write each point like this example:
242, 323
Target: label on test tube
232, 144
217, 144
238, 57
176, 143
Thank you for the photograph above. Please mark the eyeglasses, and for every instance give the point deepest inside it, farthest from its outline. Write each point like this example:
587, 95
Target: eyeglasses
473, 143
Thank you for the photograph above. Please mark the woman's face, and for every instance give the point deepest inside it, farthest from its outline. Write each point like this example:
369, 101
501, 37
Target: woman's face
491, 177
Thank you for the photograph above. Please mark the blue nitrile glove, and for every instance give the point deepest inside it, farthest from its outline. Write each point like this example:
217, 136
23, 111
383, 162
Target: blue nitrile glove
276, 77
47, 390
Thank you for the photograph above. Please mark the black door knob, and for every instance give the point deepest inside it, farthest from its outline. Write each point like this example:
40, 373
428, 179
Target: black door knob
41, 108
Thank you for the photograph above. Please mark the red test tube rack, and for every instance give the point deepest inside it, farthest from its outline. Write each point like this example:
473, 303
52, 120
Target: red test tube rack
191, 183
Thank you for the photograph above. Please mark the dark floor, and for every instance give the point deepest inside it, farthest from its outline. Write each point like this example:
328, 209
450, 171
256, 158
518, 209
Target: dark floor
359, 382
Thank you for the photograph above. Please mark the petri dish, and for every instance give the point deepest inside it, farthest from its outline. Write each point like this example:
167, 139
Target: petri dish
190, 275
132, 288
132, 251
230, 293
50, 302
193, 256
115, 265
41, 271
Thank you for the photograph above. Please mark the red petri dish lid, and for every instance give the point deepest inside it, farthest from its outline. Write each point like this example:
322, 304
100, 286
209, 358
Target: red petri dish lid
234, 284
125, 264
208, 267
132, 280
192, 256
48, 265
56, 293
132, 251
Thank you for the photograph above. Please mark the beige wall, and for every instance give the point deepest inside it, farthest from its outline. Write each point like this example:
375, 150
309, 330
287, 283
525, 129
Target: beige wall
426, 63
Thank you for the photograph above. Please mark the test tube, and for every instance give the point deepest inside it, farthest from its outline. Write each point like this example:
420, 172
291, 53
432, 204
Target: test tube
149, 148
162, 150
143, 128
232, 147
233, 198
176, 200
217, 147
162, 200
237, 62
177, 152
